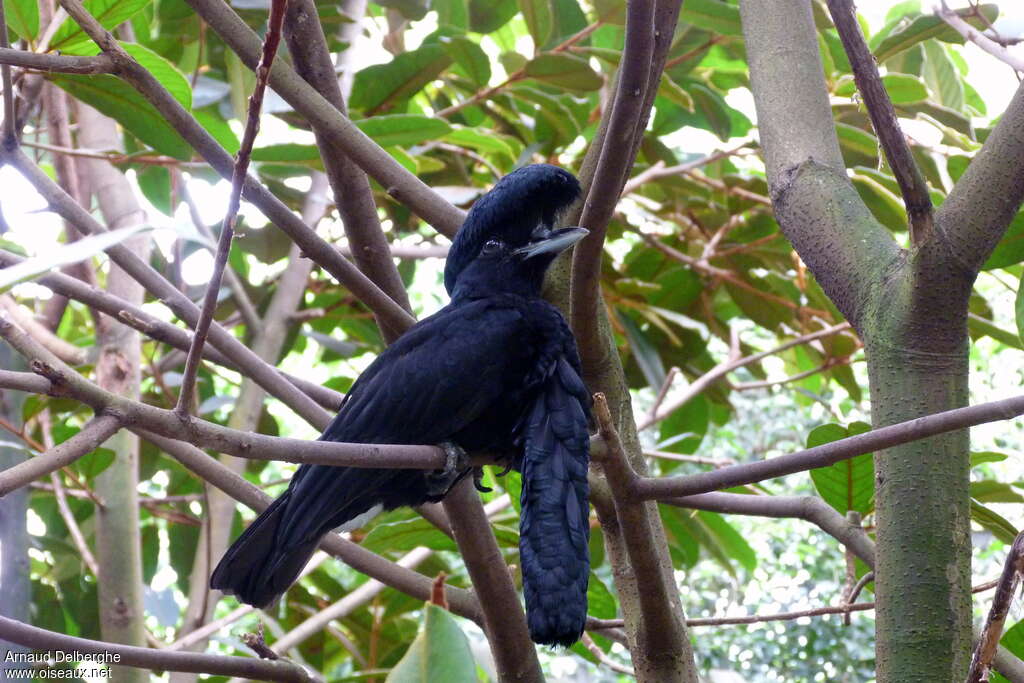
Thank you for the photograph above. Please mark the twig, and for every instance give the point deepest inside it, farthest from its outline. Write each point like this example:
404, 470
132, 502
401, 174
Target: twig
699, 459
731, 364
147, 658
227, 230
954, 20
660, 170
602, 657
10, 138
99, 64
94, 433
986, 648
781, 616
883, 119
828, 364
67, 352
830, 453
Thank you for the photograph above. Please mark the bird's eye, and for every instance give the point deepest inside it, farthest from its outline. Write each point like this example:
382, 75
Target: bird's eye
492, 247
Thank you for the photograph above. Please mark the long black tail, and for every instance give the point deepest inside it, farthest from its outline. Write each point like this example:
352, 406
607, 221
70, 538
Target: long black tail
269, 555
554, 528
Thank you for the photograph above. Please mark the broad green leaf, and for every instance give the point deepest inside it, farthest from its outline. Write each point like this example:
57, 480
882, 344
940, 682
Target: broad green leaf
849, 484
927, 26
884, 204
682, 543
539, 20
382, 86
487, 16
155, 183
439, 653
161, 69
484, 141
717, 17
1010, 249
23, 18
1012, 640
406, 535
942, 76
600, 601
403, 129
289, 153
859, 146
728, 539
981, 457
217, 127
109, 13
944, 115
1018, 309
683, 430
902, 88
120, 101
470, 56
410, 9
989, 491
65, 254
1000, 527
95, 462
981, 326
644, 352
564, 71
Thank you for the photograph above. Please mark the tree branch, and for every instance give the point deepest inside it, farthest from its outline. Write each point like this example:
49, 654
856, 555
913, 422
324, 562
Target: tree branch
227, 228
399, 183
986, 647
159, 660
92, 435
970, 33
830, 453
49, 63
981, 205
883, 118
515, 656
9, 135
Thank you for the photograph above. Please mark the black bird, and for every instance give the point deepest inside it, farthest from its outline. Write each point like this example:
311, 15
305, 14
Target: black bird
496, 369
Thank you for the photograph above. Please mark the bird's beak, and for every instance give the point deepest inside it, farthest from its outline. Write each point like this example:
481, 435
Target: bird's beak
551, 242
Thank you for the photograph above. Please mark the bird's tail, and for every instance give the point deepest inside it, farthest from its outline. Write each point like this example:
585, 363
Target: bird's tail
554, 529
269, 555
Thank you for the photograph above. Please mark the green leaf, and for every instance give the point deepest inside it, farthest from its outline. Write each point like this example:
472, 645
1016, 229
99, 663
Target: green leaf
980, 457
23, 18
1010, 249
483, 140
403, 129
155, 183
406, 535
1018, 308
93, 463
989, 491
384, 85
684, 429
161, 69
216, 126
644, 352
109, 13
884, 204
902, 88
289, 153
849, 484
539, 21
979, 326
410, 9
65, 254
440, 652
564, 71
470, 56
1012, 640
487, 16
712, 15
1000, 527
927, 26
600, 601
120, 101
942, 76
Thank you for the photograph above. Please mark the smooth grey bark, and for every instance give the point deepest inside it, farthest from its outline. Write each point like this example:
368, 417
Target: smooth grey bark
15, 585
118, 369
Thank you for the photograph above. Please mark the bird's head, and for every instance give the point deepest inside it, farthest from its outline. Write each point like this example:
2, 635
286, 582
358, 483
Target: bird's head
520, 209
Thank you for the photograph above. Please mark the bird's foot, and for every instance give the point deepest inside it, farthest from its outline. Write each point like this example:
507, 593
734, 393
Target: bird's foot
456, 462
478, 480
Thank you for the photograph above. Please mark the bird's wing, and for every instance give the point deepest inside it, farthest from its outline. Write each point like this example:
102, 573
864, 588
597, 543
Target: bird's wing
435, 379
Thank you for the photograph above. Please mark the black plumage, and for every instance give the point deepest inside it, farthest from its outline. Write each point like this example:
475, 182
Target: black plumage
496, 369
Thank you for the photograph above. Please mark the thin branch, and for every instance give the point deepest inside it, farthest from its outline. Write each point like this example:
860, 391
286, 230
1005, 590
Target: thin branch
515, 656
261, 372
139, 319
954, 20
610, 174
67, 352
227, 229
326, 120
146, 658
830, 453
662, 628
782, 616
91, 436
462, 602
827, 365
986, 648
99, 64
9, 134
733, 363
883, 118
603, 658
660, 170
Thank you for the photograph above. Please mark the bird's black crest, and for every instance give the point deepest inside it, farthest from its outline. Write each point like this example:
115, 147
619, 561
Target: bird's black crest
518, 203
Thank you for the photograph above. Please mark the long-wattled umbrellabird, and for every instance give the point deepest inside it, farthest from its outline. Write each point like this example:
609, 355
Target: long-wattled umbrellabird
496, 369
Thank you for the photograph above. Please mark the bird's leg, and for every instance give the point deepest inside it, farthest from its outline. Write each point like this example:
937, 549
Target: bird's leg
456, 462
